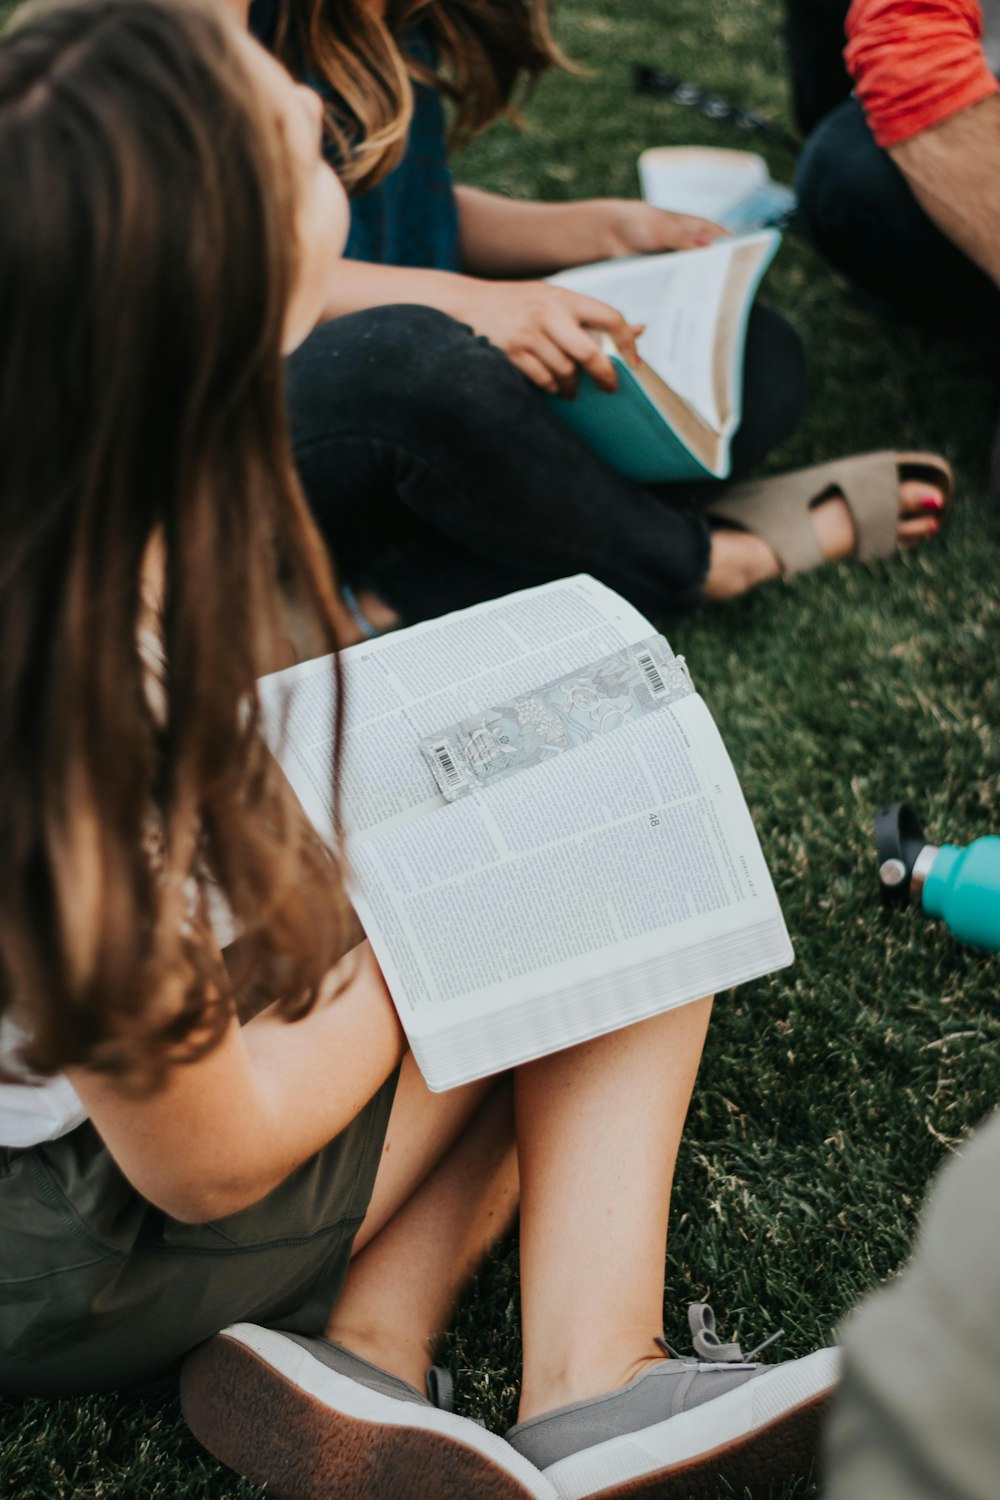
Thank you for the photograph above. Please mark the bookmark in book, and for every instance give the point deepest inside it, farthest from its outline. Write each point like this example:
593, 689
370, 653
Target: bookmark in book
559, 716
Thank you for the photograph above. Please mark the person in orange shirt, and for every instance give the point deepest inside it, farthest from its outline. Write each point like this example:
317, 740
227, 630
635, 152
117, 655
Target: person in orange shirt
899, 185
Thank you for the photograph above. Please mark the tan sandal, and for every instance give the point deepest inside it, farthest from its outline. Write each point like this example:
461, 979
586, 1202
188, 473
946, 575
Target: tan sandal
777, 509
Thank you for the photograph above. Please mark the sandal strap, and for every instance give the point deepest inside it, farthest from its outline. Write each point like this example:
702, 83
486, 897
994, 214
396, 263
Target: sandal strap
369, 631
771, 510
778, 510
869, 484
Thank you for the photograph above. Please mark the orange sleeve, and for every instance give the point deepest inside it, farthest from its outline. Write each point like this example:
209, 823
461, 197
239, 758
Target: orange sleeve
916, 63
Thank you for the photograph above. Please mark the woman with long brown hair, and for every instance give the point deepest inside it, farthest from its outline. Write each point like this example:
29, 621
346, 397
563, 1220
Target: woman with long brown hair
238, 1157
435, 471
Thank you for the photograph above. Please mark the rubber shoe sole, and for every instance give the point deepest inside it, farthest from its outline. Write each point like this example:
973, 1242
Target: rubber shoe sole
755, 1438
262, 1404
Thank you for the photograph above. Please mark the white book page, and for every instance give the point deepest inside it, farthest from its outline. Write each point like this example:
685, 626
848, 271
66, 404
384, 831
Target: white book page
632, 845
701, 181
412, 683
679, 341
679, 298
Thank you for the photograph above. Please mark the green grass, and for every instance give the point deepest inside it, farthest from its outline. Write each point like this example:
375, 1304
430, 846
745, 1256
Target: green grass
829, 1093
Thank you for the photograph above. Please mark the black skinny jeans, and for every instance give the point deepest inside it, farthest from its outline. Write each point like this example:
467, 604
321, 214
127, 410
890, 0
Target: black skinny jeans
440, 477
815, 39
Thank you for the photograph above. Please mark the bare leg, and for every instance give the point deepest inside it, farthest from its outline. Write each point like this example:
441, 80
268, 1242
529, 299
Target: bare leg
379, 616
311, 1422
598, 1130
440, 1202
423, 1127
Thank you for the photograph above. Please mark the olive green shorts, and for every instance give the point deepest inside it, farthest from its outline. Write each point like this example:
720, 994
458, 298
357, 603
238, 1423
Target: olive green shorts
99, 1290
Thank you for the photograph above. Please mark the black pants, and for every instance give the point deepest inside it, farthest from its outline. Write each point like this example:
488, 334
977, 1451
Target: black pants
856, 207
441, 478
814, 34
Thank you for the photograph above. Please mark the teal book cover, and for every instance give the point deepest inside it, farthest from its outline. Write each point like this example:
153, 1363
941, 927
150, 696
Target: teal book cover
627, 430
695, 305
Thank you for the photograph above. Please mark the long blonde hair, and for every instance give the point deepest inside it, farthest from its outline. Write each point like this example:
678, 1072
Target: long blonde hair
485, 49
146, 262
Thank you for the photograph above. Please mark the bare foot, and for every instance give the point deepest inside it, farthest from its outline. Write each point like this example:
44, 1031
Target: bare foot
375, 610
380, 616
739, 561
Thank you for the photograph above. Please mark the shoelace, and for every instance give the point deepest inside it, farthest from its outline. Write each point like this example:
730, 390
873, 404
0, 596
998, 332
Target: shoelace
707, 1344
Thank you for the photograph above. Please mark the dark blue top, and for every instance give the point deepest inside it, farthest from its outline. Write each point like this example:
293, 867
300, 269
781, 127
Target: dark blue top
411, 217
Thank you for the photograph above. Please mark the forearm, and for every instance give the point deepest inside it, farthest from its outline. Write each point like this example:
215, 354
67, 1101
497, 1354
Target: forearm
504, 237
224, 1131
501, 238
310, 1079
954, 173
356, 285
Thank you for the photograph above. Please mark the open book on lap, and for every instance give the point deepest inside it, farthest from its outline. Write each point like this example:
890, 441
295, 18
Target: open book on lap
674, 417
602, 868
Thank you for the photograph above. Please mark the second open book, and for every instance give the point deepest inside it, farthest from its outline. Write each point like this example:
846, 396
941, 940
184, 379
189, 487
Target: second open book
673, 418
597, 865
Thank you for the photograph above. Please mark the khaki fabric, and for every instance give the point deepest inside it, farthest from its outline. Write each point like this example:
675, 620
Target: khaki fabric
918, 1414
99, 1290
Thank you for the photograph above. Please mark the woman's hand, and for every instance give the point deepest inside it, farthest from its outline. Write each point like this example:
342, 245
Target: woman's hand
543, 330
612, 227
501, 237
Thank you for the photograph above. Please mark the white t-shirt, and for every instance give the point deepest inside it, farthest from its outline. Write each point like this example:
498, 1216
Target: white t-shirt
39, 1109
42, 1109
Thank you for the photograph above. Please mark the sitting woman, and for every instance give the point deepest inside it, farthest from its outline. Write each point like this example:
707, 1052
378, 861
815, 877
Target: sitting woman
167, 1171
437, 475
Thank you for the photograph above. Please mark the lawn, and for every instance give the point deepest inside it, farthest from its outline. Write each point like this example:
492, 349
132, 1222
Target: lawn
828, 1094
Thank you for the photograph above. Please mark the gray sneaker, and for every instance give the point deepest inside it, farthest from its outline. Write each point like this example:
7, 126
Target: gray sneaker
311, 1421
684, 1425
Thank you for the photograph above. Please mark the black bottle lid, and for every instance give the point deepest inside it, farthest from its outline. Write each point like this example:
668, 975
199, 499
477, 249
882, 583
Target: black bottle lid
899, 839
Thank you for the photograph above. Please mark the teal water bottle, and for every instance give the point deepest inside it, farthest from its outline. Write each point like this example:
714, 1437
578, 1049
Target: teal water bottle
960, 886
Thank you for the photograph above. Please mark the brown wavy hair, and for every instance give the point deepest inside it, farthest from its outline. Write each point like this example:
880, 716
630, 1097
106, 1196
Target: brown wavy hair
485, 48
146, 261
